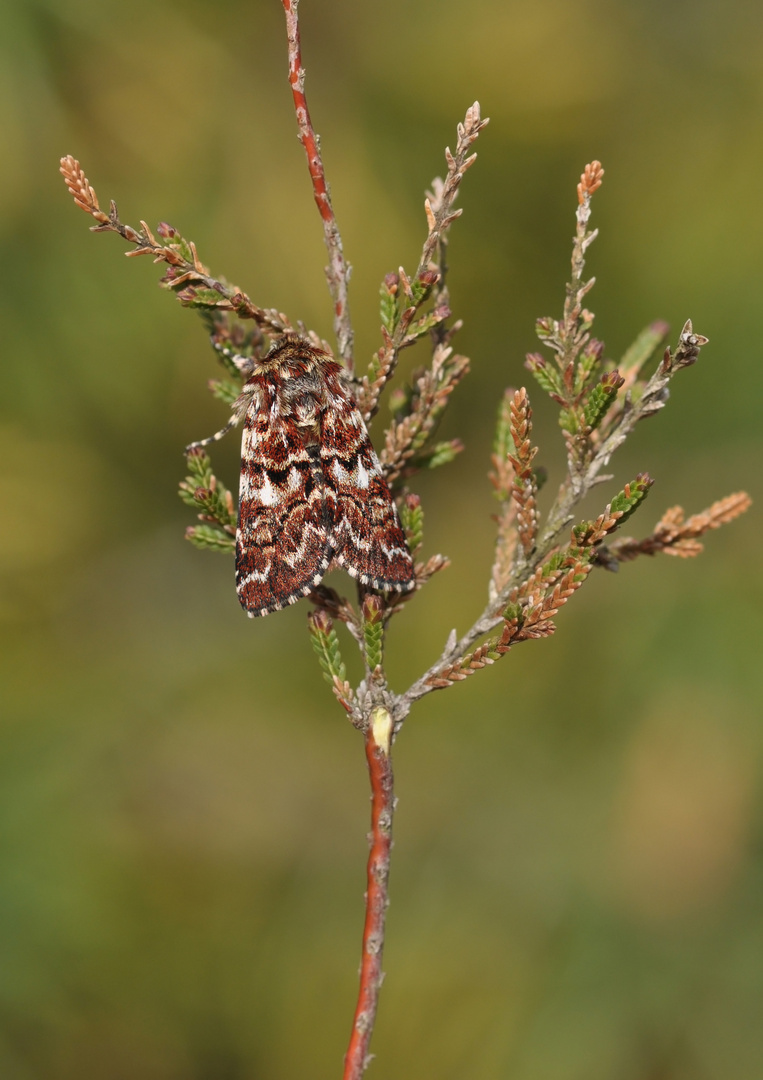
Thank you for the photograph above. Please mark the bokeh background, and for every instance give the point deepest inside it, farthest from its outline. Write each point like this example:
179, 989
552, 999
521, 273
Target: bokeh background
578, 877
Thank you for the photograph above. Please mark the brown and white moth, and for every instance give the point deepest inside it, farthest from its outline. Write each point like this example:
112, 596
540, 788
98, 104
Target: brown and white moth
312, 491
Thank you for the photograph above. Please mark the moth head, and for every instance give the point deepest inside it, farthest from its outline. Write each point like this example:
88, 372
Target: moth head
292, 347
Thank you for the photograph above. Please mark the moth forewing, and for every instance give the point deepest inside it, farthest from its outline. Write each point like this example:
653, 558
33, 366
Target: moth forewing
368, 538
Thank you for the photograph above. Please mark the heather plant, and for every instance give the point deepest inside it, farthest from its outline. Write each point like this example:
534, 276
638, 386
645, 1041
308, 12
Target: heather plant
539, 562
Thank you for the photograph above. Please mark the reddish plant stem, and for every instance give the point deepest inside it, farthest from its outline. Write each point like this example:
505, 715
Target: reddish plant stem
378, 738
337, 272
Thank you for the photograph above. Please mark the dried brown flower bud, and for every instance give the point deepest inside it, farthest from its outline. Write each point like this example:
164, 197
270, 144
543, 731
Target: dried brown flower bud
373, 607
590, 180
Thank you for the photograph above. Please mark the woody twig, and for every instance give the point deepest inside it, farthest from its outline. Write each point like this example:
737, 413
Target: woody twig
338, 271
378, 756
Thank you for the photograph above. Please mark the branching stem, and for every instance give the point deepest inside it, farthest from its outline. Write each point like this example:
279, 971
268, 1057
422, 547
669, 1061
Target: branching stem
535, 571
571, 493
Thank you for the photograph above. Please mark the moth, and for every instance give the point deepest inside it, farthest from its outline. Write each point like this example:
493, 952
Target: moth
312, 493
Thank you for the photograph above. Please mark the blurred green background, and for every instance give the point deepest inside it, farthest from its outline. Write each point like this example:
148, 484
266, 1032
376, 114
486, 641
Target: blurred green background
578, 877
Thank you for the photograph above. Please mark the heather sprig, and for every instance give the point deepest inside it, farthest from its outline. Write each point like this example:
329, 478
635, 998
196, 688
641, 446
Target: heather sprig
540, 561
404, 294
373, 632
202, 490
326, 646
675, 534
186, 275
599, 406
412, 517
406, 447
524, 487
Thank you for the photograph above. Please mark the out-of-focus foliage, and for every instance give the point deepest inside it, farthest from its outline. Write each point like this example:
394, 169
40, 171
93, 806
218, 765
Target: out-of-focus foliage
578, 880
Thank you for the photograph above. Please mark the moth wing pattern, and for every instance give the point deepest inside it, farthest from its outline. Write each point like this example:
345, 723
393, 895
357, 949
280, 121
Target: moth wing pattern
312, 491
283, 547
367, 537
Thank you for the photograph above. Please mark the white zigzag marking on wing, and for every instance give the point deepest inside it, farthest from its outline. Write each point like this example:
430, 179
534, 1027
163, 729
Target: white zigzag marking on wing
353, 537
396, 551
267, 494
362, 474
294, 480
340, 473
296, 556
255, 575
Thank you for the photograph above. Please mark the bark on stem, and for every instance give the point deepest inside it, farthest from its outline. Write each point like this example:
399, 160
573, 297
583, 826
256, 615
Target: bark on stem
378, 742
337, 272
